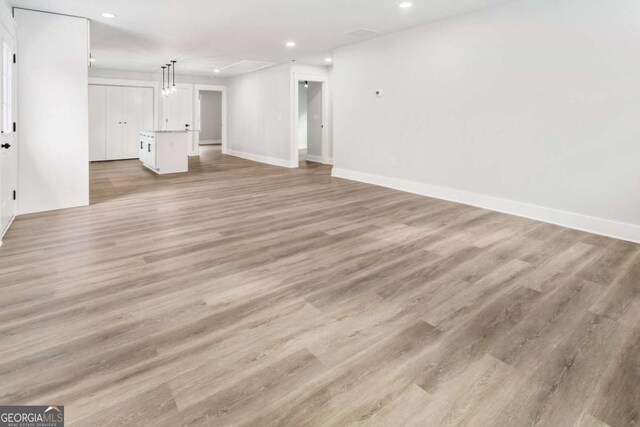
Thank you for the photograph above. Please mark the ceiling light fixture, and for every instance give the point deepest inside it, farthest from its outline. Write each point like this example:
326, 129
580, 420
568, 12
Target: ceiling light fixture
306, 84
216, 70
168, 90
291, 44
108, 15
328, 59
164, 89
405, 5
174, 89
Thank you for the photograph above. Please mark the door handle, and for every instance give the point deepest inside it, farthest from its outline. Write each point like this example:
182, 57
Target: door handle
5, 146
149, 148
141, 145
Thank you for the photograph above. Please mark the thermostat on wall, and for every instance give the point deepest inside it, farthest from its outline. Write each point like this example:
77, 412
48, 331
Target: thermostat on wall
379, 93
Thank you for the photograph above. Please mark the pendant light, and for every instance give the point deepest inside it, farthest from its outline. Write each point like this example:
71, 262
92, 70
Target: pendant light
163, 88
174, 89
168, 79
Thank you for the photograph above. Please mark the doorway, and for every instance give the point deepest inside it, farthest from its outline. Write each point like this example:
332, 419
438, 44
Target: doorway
310, 142
210, 110
310, 121
209, 117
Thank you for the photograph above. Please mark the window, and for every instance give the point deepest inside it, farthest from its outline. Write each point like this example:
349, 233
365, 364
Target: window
7, 92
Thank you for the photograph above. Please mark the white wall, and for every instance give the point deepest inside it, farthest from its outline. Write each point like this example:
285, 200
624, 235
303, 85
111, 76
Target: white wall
53, 110
260, 114
314, 121
302, 117
211, 116
531, 107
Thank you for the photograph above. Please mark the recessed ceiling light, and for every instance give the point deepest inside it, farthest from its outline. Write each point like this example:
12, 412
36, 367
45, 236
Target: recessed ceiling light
291, 44
108, 15
328, 59
405, 5
216, 71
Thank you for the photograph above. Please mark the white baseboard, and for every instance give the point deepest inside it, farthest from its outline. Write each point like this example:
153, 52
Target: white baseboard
6, 229
210, 142
262, 159
604, 227
312, 158
330, 161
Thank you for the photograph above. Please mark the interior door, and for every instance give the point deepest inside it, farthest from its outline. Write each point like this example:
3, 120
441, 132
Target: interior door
180, 114
179, 109
8, 137
138, 116
114, 122
97, 123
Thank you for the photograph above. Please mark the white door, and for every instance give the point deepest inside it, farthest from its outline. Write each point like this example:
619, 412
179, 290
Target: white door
97, 123
8, 138
178, 114
114, 123
178, 109
138, 106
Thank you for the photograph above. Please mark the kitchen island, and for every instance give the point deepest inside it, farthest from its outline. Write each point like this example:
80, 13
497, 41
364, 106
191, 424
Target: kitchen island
165, 151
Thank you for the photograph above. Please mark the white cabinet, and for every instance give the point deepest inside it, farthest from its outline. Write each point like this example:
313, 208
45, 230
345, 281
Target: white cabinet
164, 151
147, 150
116, 116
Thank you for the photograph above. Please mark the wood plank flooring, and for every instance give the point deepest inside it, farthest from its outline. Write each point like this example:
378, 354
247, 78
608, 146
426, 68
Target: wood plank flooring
251, 295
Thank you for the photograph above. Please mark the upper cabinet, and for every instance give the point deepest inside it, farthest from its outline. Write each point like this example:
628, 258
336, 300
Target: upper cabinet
116, 116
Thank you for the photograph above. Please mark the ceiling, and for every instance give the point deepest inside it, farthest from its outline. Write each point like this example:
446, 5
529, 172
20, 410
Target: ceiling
204, 35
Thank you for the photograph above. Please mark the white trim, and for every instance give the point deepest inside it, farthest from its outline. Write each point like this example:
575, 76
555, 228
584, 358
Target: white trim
262, 159
604, 227
330, 161
120, 82
211, 88
316, 159
6, 229
297, 77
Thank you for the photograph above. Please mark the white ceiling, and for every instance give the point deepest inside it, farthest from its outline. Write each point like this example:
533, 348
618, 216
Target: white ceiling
207, 34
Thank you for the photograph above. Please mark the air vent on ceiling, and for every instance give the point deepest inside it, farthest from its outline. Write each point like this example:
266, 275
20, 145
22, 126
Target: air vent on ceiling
363, 32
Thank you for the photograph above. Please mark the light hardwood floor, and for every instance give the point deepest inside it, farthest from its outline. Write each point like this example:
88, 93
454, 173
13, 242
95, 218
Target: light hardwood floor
246, 294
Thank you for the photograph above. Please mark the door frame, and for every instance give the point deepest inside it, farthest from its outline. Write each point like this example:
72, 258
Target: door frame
9, 26
324, 80
196, 136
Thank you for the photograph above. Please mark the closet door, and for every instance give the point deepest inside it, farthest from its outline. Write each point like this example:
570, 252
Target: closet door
138, 104
97, 123
114, 122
